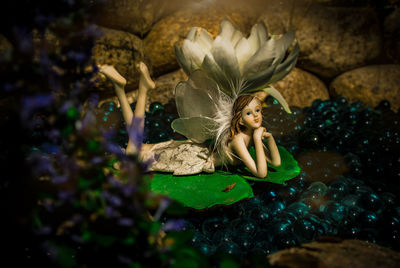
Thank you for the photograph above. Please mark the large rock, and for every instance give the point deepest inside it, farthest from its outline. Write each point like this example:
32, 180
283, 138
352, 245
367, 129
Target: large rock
300, 88
159, 43
336, 253
165, 86
392, 35
370, 85
332, 39
124, 51
134, 16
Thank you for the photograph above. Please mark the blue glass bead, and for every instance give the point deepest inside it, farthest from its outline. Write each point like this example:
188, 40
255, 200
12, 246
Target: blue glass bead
275, 207
356, 185
230, 248
372, 202
263, 248
220, 236
299, 208
198, 237
343, 101
156, 109
288, 193
309, 195
368, 219
288, 216
244, 241
305, 230
334, 211
353, 213
338, 189
313, 204
259, 215
206, 248
108, 106
212, 225
281, 226
246, 226
318, 187
285, 240
264, 235
350, 200
269, 196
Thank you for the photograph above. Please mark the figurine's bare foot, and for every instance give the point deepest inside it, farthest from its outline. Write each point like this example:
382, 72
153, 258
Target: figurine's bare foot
112, 74
145, 79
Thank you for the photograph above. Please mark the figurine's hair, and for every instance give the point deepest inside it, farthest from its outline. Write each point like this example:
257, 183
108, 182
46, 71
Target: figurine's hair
238, 106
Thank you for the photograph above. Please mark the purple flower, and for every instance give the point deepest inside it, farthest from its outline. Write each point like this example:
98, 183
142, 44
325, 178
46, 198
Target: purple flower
110, 212
77, 239
125, 222
113, 199
32, 103
93, 31
174, 225
128, 190
59, 179
96, 160
64, 195
44, 230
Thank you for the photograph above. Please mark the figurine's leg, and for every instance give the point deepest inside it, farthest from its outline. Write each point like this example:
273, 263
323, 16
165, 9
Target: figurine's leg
119, 83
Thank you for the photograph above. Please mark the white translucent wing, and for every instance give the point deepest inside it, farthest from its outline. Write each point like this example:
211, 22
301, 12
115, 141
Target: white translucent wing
197, 129
197, 97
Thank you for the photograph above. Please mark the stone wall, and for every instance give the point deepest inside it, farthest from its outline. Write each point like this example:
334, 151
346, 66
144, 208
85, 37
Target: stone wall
350, 50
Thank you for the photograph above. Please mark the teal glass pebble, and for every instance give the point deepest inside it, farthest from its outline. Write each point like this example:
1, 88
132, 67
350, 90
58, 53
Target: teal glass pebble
211, 225
305, 230
334, 211
156, 109
299, 208
350, 200
275, 207
230, 248
318, 187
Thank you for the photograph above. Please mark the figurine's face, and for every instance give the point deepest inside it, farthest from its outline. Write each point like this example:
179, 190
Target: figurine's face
251, 115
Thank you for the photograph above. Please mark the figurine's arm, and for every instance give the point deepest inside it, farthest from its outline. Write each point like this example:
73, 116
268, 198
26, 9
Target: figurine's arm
272, 153
258, 169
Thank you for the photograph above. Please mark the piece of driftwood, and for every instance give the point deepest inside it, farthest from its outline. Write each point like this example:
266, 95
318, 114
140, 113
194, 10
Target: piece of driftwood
330, 253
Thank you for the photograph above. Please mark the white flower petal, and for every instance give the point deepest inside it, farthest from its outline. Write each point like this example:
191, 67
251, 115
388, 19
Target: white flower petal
225, 56
192, 33
261, 60
204, 39
193, 53
211, 67
226, 29
181, 59
253, 40
243, 53
236, 37
262, 33
282, 44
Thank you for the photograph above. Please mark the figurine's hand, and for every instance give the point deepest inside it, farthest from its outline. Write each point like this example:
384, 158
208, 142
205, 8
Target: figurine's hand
259, 133
266, 135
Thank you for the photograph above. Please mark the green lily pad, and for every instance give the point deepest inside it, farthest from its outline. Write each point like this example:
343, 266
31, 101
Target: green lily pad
202, 190
288, 169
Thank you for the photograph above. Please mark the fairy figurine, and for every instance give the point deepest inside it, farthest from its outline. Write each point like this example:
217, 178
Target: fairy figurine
217, 103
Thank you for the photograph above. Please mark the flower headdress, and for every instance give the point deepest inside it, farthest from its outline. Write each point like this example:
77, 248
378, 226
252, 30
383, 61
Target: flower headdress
222, 69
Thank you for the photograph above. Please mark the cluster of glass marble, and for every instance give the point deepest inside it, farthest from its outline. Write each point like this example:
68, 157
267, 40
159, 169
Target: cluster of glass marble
356, 204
